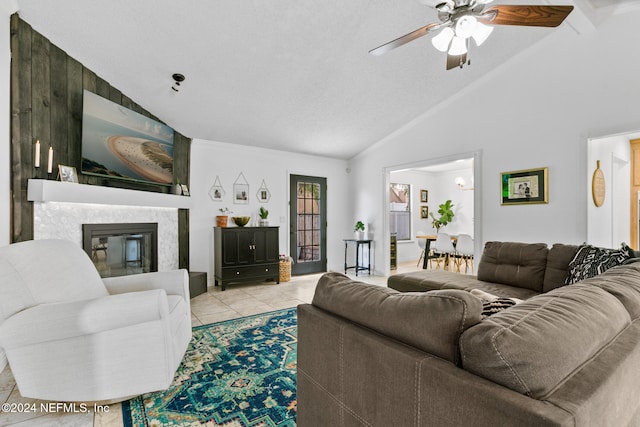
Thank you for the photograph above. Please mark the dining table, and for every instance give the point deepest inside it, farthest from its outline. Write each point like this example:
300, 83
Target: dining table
431, 238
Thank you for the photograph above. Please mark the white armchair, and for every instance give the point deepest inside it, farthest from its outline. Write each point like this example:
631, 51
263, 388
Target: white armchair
71, 336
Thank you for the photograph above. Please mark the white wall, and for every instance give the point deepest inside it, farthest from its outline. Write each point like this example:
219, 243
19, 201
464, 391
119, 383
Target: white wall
536, 111
216, 159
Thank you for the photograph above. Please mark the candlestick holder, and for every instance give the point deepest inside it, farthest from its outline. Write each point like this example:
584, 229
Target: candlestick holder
37, 175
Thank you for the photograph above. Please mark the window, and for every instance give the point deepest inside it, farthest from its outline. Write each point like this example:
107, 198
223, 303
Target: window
400, 210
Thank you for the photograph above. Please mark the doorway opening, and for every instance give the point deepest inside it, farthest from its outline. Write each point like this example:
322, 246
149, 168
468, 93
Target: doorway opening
431, 183
616, 220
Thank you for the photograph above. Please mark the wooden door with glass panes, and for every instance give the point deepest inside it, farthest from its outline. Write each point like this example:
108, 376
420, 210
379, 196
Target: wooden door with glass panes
308, 228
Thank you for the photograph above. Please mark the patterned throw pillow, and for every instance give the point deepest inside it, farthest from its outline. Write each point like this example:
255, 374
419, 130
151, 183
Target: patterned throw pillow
491, 304
497, 305
591, 261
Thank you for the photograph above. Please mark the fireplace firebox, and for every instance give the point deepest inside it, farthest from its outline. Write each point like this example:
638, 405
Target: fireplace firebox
122, 249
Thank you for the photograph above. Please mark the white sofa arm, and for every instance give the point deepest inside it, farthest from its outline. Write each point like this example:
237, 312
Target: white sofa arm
175, 282
59, 321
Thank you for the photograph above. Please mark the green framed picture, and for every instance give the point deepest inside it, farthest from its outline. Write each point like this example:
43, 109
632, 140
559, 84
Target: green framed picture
525, 186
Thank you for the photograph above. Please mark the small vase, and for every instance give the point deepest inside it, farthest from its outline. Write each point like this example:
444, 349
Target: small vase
359, 235
177, 190
263, 222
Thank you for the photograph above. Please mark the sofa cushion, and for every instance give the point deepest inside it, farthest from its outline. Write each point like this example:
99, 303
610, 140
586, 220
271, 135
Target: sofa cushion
558, 260
429, 321
623, 282
535, 346
516, 264
429, 280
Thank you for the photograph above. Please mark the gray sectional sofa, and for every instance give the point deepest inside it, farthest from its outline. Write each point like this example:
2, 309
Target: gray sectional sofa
566, 356
508, 269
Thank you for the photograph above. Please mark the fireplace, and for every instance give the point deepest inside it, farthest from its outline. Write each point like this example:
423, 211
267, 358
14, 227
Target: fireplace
123, 248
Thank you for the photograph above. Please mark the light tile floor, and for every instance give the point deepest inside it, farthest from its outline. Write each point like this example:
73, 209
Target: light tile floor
214, 306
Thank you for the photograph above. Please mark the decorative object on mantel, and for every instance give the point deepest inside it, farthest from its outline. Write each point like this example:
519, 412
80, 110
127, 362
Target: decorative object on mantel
223, 218
177, 188
216, 192
50, 161
446, 215
241, 190
185, 190
263, 193
597, 186
263, 213
359, 230
36, 160
67, 174
525, 186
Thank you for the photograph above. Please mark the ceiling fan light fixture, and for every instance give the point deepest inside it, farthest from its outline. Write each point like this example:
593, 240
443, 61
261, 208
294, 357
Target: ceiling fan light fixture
443, 39
481, 33
458, 46
466, 26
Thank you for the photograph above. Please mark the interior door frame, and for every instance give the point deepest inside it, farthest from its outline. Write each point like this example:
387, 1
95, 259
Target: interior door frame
321, 265
477, 198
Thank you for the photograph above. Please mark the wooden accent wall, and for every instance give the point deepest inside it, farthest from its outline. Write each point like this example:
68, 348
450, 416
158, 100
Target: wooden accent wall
46, 104
635, 187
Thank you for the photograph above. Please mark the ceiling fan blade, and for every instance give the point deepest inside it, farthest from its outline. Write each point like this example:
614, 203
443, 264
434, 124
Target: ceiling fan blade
454, 61
533, 16
404, 39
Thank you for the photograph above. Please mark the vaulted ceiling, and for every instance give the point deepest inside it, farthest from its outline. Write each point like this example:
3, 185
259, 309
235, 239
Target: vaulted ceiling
291, 75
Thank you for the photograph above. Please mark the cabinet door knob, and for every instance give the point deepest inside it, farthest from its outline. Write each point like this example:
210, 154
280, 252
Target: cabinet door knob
237, 273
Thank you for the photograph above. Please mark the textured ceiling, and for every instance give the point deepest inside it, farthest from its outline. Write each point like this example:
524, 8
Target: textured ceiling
286, 74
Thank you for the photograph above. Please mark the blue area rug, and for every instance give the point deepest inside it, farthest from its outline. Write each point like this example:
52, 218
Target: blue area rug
236, 373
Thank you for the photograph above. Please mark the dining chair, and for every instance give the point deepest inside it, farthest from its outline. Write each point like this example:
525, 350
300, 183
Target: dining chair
443, 250
464, 252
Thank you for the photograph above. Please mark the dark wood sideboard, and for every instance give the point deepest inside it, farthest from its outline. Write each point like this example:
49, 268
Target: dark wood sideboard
245, 254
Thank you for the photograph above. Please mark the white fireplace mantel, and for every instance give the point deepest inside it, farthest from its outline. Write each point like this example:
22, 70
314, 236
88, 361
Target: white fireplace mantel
43, 190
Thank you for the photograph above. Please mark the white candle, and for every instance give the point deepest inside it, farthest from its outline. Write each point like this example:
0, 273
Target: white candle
50, 163
37, 160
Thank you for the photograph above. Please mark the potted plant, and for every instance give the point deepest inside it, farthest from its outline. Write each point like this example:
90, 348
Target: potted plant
359, 230
223, 217
446, 215
263, 213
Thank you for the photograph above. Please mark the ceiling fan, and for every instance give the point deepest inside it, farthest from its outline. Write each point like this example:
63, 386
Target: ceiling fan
462, 20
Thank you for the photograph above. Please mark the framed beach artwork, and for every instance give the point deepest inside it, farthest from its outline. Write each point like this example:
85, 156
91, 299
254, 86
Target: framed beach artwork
120, 143
525, 186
